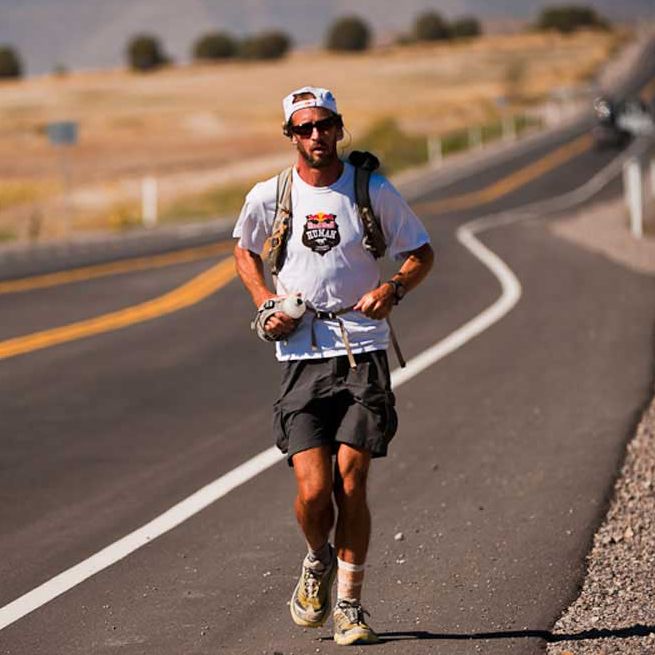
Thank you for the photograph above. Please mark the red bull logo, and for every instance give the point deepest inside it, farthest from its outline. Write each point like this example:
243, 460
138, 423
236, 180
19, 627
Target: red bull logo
321, 232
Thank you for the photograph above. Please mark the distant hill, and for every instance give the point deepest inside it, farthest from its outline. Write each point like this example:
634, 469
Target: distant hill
81, 34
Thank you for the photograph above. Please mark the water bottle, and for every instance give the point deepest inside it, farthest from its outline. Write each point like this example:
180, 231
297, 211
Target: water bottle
293, 306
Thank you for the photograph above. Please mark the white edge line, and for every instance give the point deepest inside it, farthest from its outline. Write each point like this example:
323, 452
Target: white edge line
196, 502
511, 293
140, 537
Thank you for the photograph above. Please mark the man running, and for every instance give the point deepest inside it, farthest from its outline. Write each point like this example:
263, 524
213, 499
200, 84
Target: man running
335, 399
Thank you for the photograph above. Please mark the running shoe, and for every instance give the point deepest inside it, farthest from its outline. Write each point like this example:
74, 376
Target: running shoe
311, 602
350, 625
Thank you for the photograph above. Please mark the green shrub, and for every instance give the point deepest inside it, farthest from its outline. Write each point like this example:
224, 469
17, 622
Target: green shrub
267, 45
348, 34
10, 65
465, 27
220, 201
144, 53
395, 149
430, 26
455, 142
568, 18
215, 45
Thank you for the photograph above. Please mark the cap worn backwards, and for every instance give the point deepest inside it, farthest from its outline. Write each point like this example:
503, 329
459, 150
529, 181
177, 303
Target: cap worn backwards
321, 98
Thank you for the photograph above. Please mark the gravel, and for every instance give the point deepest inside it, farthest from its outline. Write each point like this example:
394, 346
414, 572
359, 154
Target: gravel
615, 612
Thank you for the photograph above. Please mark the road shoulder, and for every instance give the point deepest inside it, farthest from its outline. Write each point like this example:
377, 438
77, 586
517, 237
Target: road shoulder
615, 611
604, 228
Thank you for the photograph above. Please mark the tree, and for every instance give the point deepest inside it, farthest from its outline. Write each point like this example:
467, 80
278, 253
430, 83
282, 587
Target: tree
267, 45
464, 27
348, 34
10, 64
215, 45
430, 26
568, 18
144, 53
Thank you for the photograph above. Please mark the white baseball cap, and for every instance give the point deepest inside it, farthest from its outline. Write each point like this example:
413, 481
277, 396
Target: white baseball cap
322, 98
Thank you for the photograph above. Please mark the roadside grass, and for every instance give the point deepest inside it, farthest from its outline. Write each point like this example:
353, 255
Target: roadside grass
398, 150
221, 201
7, 235
19, 192
395, 149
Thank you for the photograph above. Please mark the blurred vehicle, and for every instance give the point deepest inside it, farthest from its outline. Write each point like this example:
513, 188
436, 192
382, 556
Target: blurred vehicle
618, 123
636, 117
608, 131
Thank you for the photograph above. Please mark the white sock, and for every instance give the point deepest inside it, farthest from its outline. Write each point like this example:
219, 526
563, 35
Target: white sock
350, 578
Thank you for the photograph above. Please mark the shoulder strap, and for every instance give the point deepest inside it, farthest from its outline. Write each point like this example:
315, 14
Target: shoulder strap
281, 221
365, 163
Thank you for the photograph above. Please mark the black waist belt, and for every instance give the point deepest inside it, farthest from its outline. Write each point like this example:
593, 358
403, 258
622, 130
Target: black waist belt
321, 315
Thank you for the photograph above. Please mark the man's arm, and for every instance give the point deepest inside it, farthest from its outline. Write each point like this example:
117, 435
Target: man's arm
251, 271
378, 303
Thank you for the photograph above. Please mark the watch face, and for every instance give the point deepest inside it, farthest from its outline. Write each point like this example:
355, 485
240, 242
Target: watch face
400, 291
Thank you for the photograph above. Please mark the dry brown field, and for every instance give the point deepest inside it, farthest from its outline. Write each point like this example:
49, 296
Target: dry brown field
187, 124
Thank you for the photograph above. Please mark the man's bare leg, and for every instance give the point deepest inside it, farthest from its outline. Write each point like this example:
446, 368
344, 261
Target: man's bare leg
352, 536
313, 505
310, 602
354, 520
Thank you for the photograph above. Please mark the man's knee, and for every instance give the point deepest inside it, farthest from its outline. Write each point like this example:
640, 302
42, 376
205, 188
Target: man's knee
352, 476
313, 469
352, 485
315, 496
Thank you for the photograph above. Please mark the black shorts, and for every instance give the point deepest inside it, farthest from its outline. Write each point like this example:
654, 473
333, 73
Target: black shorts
325, 402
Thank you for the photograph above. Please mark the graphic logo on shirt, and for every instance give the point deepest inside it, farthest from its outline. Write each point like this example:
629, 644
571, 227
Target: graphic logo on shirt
321, 232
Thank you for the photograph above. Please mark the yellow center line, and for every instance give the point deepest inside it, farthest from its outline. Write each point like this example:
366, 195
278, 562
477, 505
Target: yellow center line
190, 293
219, 275
511, 182
465, 201
113, 268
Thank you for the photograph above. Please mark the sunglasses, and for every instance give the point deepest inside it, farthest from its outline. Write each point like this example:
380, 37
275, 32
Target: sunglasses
306, 129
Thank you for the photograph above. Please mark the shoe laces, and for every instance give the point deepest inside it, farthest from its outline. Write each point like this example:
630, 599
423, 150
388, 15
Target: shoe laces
354, 612
311, 581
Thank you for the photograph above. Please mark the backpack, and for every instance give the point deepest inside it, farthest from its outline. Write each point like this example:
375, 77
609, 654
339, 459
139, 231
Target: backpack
374, 242
365, 163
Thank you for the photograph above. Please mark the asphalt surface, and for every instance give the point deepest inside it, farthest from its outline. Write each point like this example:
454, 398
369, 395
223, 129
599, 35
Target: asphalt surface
497, 479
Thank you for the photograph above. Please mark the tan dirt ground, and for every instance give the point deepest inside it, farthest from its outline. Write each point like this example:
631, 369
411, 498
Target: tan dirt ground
190, 123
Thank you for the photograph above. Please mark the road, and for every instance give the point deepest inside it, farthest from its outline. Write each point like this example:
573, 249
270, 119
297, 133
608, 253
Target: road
497, 479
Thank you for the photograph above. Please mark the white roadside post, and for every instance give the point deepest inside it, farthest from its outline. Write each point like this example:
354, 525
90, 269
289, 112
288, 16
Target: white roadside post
509, 127
507, 120
435, 151
149, 201
475, 138
634, 196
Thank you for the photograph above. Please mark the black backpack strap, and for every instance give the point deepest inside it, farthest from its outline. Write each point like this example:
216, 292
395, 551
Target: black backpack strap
281, 222
365, 163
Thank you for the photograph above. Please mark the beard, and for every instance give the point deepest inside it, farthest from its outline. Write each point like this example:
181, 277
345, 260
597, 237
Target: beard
319, 159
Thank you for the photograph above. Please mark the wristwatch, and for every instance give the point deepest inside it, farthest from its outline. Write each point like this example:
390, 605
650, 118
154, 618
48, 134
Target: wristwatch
399, 290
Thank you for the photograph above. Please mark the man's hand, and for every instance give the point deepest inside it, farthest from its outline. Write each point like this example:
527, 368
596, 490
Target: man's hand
280, 325
378, 303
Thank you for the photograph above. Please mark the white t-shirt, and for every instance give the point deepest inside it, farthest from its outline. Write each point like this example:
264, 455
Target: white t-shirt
325, 261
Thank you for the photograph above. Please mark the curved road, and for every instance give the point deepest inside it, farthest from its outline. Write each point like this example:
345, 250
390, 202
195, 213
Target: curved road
497, 479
